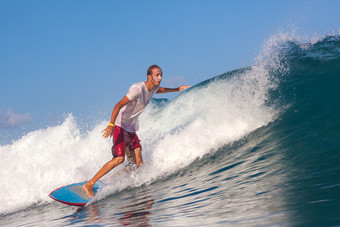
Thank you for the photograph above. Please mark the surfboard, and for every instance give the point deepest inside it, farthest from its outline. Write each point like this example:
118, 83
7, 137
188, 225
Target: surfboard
74, 194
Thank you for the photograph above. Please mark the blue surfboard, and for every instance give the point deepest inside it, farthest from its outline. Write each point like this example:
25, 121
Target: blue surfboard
74, 194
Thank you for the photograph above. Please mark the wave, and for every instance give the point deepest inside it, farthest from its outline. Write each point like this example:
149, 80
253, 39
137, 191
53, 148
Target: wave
291, 90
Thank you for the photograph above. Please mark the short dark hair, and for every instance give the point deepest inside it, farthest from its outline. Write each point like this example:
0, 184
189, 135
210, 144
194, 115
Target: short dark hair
149, 72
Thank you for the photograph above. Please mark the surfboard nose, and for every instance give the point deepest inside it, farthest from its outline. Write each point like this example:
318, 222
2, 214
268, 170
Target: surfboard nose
74, 194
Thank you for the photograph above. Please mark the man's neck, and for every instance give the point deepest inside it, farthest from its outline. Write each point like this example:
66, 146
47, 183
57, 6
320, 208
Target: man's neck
149, 85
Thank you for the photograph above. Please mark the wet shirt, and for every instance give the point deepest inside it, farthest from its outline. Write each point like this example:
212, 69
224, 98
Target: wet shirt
139, 95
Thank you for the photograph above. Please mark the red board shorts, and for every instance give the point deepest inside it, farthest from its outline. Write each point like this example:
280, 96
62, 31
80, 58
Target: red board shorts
122, 139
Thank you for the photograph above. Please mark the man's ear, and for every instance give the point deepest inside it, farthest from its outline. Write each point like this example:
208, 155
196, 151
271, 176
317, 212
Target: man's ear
149, 77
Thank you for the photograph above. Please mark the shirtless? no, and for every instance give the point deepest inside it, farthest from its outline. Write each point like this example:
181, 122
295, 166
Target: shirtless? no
124, 123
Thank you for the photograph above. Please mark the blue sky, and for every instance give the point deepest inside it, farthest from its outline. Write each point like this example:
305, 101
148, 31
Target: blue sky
80, 57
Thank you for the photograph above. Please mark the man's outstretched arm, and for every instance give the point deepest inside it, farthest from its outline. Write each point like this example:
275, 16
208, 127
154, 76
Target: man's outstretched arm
166, 90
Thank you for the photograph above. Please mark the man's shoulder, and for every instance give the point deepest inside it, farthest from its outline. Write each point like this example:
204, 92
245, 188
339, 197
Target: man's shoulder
138, 84
135, 90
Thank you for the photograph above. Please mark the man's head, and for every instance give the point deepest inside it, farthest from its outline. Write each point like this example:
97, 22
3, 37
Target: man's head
151, 68
154, 75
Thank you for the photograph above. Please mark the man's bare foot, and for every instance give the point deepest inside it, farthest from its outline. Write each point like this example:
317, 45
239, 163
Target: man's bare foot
88, 189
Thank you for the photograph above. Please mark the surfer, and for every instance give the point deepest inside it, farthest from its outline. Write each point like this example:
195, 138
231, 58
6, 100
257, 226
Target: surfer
124, 123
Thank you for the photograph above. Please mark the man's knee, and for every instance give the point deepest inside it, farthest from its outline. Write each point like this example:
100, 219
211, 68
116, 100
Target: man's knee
119, 159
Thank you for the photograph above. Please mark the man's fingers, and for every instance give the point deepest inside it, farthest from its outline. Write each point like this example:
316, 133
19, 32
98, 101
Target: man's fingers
183, 87
106, 132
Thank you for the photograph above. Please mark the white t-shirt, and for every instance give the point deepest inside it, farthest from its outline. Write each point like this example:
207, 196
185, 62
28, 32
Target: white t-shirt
139, 95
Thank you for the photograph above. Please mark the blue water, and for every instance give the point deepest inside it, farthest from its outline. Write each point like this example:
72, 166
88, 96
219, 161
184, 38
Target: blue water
253, 147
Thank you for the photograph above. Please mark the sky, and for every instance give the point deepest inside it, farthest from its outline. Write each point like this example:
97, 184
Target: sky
80, 56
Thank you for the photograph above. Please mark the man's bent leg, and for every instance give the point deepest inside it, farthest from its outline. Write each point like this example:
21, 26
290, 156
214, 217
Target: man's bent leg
88, 187
138, 157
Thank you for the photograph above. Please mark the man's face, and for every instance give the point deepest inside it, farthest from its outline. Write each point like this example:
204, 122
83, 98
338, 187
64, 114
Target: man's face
156, 76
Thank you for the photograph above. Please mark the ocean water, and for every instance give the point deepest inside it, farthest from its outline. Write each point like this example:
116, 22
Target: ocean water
256, 146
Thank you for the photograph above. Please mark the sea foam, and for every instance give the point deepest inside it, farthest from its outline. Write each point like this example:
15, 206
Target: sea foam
207, 116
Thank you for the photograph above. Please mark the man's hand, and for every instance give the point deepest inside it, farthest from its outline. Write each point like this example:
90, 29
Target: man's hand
183, 87
108, 131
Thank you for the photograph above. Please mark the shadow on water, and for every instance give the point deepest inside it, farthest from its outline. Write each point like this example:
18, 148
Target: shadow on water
122, 209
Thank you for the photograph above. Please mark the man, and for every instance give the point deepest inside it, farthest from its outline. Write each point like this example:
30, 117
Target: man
124, 123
